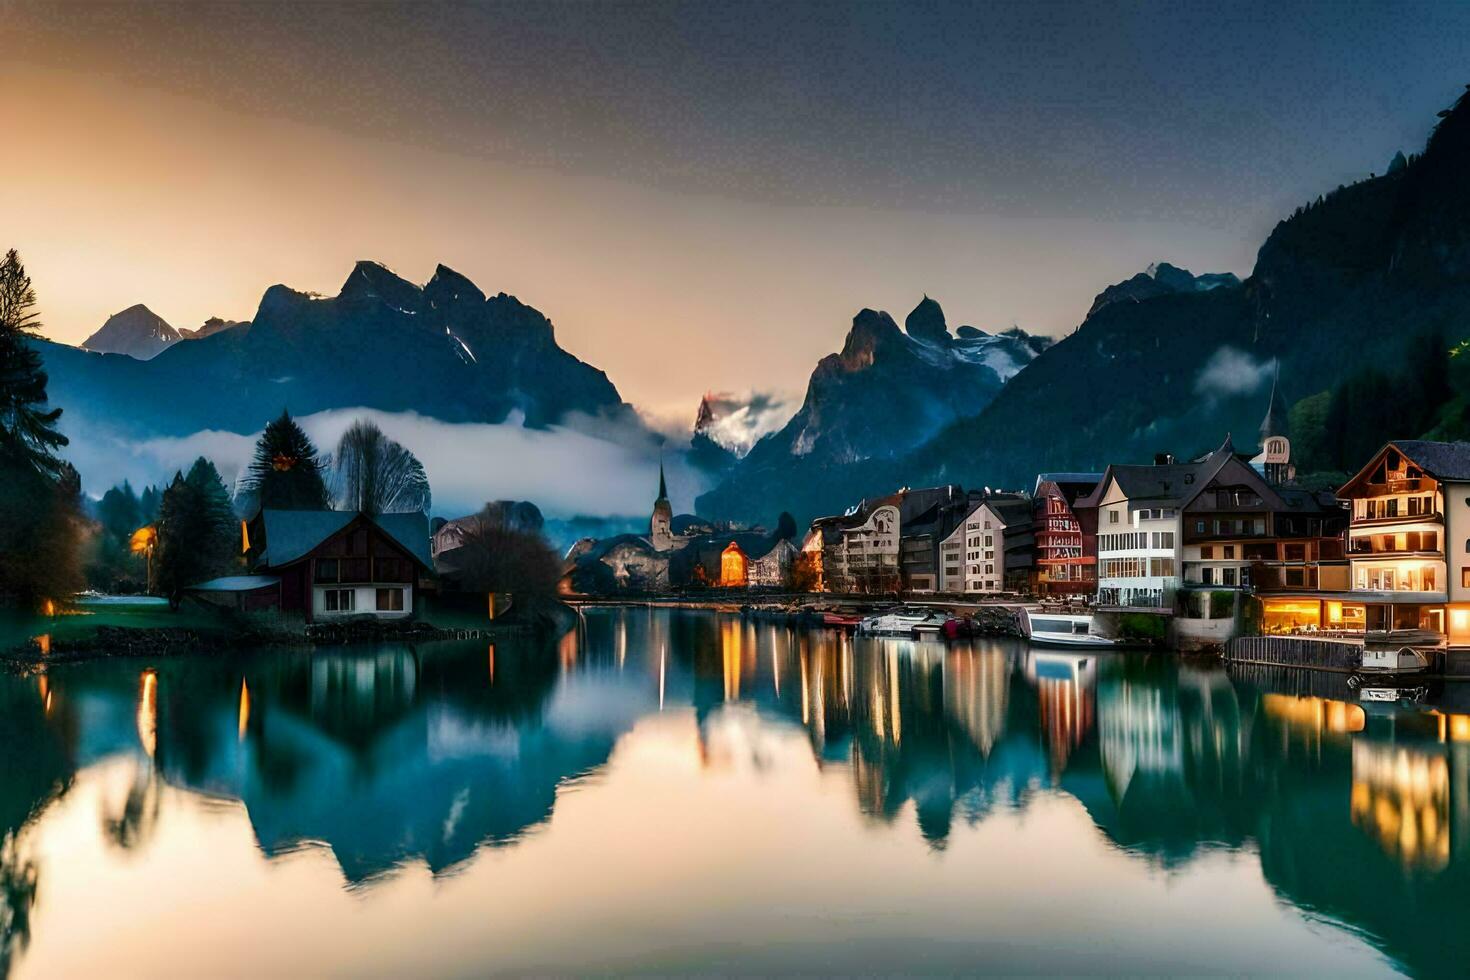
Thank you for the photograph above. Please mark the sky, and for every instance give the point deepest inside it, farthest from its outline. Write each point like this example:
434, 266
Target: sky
699, 196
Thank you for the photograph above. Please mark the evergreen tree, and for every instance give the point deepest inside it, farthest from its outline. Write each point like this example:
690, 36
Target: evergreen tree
219, 543
27, 426
119, 512
148, 502
286, 472
40, 516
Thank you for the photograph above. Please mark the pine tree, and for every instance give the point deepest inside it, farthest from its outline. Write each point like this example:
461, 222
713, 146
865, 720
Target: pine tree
286, 472
27, 427
219, 541
119, 512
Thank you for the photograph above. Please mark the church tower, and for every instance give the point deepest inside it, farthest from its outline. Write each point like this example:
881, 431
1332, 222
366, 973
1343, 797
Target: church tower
660, 526
1275, 454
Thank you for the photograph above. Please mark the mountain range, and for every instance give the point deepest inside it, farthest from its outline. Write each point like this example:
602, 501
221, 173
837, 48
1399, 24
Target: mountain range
443, 349
1165, 361
1168, 362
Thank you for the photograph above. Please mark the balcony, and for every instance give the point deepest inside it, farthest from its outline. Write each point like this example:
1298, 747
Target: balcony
1141, 600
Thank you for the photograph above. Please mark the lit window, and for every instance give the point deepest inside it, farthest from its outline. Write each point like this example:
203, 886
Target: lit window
390, 600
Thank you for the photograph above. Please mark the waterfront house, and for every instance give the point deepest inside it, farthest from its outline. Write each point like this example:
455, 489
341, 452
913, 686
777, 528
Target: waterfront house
1138, 531
1066, 534
861, 548
991, 549
921, 540
1409, 542
334, 564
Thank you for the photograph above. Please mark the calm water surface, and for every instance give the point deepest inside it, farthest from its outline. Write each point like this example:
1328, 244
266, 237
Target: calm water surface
684, 792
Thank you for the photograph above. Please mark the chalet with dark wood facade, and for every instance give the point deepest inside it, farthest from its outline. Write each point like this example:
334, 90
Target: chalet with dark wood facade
337, 564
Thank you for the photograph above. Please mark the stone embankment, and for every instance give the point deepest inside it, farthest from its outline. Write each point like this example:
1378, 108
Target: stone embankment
996, 620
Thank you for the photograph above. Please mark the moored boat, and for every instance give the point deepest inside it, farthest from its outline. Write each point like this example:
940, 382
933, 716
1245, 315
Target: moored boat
903, 622
1063, 630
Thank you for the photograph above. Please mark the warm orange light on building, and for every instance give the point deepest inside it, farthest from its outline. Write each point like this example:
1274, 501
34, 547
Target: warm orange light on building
733, 567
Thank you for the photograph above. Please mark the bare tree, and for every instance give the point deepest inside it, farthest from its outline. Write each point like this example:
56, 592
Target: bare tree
377, 475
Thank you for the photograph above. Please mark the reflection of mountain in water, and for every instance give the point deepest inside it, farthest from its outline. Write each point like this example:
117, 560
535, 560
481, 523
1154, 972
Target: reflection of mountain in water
396, 754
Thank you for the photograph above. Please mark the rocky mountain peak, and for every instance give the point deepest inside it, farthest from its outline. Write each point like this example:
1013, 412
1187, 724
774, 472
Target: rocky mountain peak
136, 331
374, 281
926, 322
448, 289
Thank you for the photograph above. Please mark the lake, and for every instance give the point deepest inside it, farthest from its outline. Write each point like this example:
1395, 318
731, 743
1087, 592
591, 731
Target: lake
673, 792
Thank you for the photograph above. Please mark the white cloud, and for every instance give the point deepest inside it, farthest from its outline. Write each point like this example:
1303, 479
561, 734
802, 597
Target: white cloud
1231, 372
587, 466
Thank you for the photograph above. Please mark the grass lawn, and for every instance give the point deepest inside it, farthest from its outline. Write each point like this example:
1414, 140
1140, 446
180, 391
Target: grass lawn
81, 619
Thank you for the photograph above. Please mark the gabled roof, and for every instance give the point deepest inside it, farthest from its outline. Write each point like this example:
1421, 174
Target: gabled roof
1165, 485
1441, 460
291, 535
410, 531
1063, 479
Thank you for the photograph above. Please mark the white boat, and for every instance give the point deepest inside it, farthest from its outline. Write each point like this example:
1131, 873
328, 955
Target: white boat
903, 622
1062, 630
1403, 662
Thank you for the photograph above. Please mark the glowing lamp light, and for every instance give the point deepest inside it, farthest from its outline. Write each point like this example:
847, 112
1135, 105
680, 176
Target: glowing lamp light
143, 540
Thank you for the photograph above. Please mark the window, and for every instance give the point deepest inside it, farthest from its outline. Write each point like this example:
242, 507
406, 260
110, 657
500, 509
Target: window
390, 600
1161, 567
1199, 527
338, 600
1229, 551
1465, 577
1227, 576
1206, 552
326, 570
1112, 517
1296, 578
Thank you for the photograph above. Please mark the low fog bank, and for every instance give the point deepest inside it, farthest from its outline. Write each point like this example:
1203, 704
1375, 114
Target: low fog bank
584, 468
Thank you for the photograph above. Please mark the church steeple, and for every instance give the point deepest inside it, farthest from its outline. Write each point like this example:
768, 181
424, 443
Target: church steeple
660, 525
1274, 424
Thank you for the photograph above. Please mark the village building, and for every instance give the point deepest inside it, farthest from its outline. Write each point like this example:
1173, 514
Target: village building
332, 564
991, 549
1409, 541
1138, 533
1066, 534
922, 537
860, 550
774, 569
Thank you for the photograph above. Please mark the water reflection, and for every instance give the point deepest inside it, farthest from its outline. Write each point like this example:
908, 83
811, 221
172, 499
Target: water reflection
1355, 813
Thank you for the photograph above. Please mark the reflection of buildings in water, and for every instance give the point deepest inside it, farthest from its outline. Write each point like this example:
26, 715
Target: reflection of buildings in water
1138, 733
1066, 695
1308, 720
732, 641
1401, 798
976, 687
